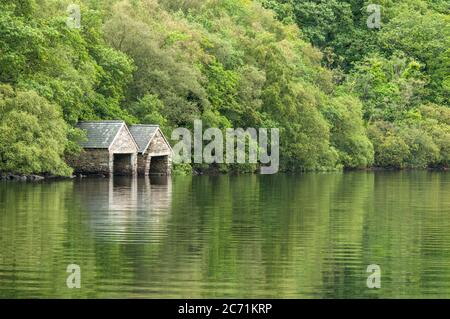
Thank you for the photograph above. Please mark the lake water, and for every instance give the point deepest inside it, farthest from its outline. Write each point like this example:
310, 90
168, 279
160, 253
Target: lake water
283, 236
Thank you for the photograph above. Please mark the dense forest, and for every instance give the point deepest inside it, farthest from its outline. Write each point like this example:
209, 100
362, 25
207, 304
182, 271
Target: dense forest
342, 94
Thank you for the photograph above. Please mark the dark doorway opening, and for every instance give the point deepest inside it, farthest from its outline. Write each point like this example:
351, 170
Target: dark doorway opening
159, 165
122, 164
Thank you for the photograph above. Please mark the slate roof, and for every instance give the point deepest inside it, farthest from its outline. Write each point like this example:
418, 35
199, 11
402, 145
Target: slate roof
143, 134
100, 134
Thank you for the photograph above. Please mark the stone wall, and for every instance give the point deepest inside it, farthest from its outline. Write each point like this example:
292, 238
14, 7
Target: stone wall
159, 156
101, 161
143, 164
158, 153
92, 161
158, 145
114, 160
124, 143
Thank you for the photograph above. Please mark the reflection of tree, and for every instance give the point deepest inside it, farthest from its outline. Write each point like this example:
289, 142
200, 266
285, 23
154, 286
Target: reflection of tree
302, 236
33, 238
408, 232
309, 235
344, 272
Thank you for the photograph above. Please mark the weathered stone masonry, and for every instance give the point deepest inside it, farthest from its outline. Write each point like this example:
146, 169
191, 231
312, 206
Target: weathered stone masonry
110, 149
91, 161
114, 149
123, 145
155, 153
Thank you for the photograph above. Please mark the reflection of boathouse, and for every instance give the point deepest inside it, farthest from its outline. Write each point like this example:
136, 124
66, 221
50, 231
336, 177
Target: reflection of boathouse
113, 149
151, 195
126, 208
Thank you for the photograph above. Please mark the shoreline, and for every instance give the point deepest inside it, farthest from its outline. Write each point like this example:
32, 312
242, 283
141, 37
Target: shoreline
41, 177
31, 177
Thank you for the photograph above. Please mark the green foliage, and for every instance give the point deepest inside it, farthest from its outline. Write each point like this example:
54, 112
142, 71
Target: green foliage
394, 70
149, 110
348, 134
342, 95
392, 152
388, 88
419, 141
33, 134
392, 91
167, 66
222, 91
72, 69
423, 35
436, 123
231, 64
182, 169
21, 46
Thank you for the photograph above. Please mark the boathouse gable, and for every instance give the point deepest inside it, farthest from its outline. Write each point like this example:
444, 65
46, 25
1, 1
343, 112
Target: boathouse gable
124, 142
155, 153
159, 145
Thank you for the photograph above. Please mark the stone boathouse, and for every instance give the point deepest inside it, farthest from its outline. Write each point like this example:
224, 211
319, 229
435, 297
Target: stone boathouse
112, 148
154, 151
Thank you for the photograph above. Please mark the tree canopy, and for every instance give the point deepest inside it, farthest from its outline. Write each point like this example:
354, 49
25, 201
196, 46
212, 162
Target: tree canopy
343, 95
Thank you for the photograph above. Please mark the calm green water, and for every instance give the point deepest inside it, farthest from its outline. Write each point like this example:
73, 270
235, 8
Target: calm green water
302, 236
